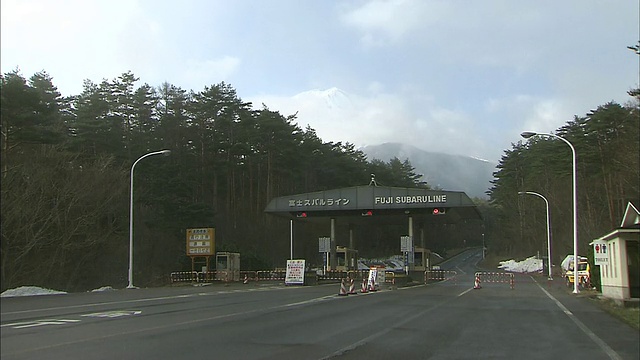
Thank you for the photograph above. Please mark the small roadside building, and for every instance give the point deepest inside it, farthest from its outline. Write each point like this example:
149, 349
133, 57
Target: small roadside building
617, 255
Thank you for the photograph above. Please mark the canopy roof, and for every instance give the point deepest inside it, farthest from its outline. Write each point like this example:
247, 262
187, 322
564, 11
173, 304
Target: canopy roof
384, 203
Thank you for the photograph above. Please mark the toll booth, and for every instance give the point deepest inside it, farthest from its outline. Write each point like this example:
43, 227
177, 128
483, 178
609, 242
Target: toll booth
227, 266
421, 259
347, 259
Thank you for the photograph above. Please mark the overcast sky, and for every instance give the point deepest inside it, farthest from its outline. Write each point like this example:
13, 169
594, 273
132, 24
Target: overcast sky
460, 77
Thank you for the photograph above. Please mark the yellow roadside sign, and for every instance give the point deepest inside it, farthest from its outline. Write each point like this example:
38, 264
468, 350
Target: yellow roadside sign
201, 242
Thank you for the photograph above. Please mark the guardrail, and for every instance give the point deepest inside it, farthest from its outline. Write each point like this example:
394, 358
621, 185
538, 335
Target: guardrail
340, 274
184, 276
201, 276
271, 275
495, 277
439, 275
333, 275
266, 275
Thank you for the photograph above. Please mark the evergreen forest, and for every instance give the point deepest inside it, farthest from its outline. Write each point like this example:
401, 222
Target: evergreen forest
66, 163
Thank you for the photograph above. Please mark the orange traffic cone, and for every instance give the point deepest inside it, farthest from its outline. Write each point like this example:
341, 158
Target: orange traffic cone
373, 286
476, 284
364, 286
352, 287
343, 288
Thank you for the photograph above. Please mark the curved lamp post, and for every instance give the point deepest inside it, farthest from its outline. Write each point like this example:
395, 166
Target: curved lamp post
165, 152
548, 226
528, 134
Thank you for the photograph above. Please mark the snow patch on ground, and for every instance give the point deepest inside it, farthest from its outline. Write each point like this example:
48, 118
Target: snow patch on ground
529, 265
104, 288
29, 291
34, 291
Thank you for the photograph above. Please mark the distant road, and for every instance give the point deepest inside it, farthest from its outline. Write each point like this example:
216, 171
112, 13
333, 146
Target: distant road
446, 320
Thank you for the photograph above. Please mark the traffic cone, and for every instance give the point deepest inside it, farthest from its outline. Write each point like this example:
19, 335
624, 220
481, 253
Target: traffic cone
343, 288
364, 286
246, 279
373, 286
476, 284
352, 287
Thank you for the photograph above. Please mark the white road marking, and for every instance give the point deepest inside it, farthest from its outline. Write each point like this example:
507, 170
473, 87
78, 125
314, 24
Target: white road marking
28, 324
311, 301
609, 351
114, 314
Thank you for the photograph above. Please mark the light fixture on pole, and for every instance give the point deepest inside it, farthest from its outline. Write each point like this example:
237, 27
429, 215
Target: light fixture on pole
164, 152
548, 227
528, 134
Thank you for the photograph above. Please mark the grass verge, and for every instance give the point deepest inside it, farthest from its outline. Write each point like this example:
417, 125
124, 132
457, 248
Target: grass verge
628, 315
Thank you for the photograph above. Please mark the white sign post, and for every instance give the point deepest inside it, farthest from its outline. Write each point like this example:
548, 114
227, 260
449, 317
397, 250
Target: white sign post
324, 247
406, 246
324, 244
405, 243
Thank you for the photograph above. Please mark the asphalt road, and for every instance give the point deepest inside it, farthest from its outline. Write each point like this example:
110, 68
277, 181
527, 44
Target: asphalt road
446, 320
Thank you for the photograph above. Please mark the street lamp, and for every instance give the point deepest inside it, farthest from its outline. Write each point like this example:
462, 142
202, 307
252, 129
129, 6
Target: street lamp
548, 227
165, 152
528, 134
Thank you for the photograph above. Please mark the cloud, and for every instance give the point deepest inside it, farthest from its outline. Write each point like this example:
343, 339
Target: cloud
526, 112
88, 37
374, 117
201, 73
339, 116
377, 117
381, 22
460, 77
547, 115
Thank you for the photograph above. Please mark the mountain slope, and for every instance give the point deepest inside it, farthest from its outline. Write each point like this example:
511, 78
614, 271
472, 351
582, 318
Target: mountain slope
440, 171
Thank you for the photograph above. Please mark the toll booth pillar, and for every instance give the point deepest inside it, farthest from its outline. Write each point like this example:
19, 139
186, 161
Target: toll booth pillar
332, 255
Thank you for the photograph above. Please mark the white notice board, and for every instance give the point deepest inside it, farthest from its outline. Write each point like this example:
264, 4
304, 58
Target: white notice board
295, 272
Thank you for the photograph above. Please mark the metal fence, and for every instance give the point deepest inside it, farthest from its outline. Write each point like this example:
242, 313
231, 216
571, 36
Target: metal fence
439, 275
267, 275
495, 277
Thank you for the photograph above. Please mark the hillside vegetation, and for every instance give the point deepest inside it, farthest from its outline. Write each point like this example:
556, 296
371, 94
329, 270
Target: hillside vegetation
66, 163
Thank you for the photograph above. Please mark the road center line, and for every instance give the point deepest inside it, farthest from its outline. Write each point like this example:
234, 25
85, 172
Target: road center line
374, 336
